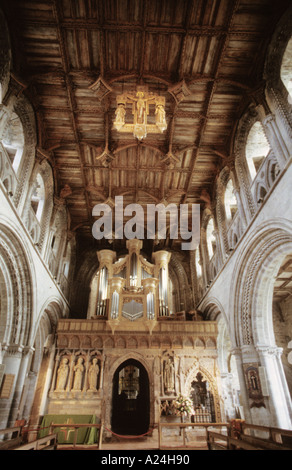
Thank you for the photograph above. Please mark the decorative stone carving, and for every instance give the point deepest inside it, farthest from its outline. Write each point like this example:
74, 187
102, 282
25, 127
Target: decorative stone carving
93, 374
168, 376
78, 376
62, 374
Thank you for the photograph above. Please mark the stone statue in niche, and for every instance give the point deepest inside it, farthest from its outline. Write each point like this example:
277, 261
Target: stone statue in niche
168, 376
93, 375
78, 376
62, 374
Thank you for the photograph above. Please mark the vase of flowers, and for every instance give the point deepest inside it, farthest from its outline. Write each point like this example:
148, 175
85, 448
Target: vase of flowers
183, 406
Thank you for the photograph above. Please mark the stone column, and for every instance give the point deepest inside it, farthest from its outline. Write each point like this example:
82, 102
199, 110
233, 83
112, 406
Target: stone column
226, 386
22, 360
279, 398
244, 400
240, 209
8, 406
276, 140
45, 377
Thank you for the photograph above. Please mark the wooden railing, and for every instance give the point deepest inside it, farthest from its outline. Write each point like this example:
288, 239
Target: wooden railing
185, 434
251, 437
76, 426
11, 437
45, 443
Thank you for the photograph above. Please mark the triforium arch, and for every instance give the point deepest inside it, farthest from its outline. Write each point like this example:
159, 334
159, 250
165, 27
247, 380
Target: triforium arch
23, 109
211, 250
45, 171
110, 371
276, 93
245, 124
226, 175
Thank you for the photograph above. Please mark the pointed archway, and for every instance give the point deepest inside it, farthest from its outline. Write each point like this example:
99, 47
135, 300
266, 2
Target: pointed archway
131, 399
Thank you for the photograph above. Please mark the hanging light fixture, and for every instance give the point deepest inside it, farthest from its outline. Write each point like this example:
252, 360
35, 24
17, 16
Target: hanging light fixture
140, 101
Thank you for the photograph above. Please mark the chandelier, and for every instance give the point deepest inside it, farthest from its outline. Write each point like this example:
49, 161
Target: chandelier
140, 101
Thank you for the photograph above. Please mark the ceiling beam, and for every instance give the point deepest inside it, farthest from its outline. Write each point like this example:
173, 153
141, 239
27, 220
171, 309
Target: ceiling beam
209, 99
71, 101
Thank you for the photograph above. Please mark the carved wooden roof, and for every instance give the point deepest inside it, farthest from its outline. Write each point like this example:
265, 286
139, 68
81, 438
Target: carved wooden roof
204, 56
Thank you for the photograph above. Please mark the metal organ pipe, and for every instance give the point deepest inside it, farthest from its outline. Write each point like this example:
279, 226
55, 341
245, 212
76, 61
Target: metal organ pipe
163, 292
102, 291
133, 270
115, 305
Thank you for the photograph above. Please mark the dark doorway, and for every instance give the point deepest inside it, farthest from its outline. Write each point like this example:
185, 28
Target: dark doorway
131, 399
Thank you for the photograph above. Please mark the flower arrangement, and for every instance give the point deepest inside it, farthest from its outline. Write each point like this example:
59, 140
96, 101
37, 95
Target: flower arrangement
183, 406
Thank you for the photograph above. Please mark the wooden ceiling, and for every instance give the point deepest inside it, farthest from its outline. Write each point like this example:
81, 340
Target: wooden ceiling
204, 56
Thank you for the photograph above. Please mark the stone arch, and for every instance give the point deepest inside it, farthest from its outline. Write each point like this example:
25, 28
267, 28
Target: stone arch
45, 171
209, 268
245, 124
52, 310
97, 342
223, 179
180, 278
82, 284
191, 375
25, 113
212, 308
258, 265
13, 142
16, 319
257, 148
111, 370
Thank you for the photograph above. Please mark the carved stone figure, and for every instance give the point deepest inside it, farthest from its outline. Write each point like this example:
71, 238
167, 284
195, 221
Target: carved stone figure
120, 116
62, 374
79, 370
168, 376
160, 117
93, 375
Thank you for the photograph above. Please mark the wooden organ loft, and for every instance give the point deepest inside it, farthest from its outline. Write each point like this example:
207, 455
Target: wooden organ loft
131, 288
